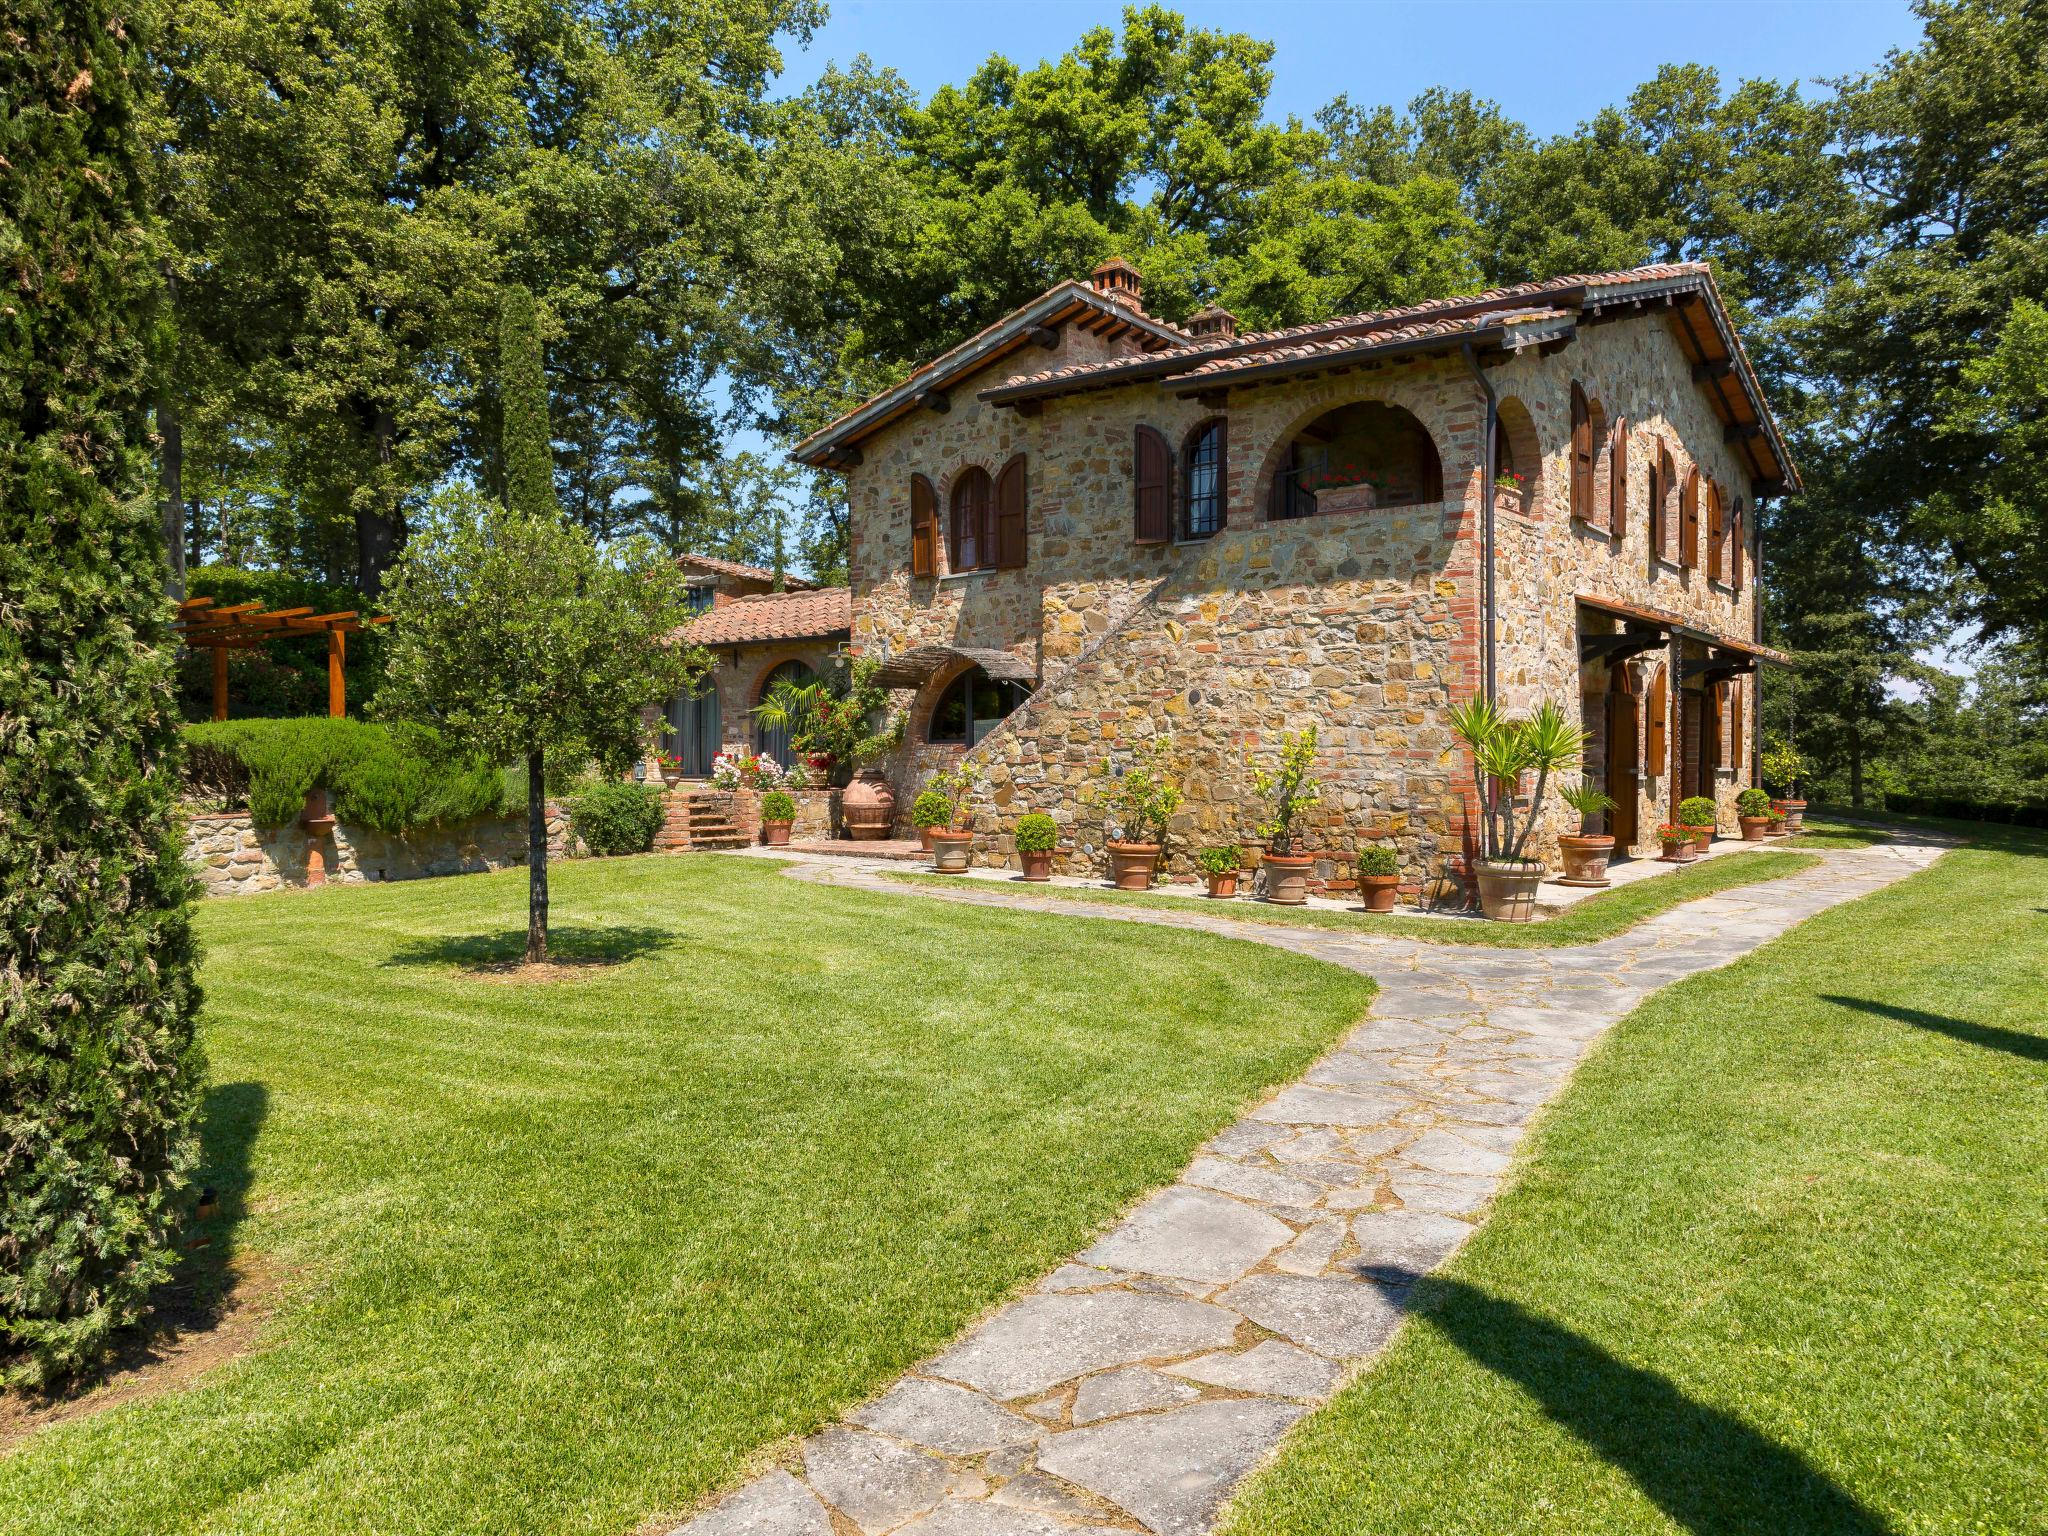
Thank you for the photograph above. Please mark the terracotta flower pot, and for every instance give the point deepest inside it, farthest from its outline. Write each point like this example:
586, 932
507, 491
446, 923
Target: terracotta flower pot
868, 806
950, 851
1132, 865
1794, 810
1507, 891
1037, 864
1754, 827
924, 837
1222, 887
1585, 859
1679, 850
1287, 878
776, 833
1702, 839
1377, 892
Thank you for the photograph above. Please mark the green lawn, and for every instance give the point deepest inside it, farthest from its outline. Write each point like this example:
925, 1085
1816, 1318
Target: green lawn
565, 1257
1597, 917
1778, 1262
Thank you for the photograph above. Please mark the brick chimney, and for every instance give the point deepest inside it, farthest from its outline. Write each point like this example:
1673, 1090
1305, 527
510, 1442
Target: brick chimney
1118, 280
1213, 324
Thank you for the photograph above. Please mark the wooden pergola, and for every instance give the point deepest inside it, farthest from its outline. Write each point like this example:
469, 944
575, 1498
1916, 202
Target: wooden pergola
245, 626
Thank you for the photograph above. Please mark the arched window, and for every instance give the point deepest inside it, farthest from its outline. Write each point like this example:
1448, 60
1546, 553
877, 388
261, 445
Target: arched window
693, 733
1362, 455
1617, 480
974, 531
773, 741
1205, 468
1689, 520
972, 705
1717, 533
1517, 457
1663, 495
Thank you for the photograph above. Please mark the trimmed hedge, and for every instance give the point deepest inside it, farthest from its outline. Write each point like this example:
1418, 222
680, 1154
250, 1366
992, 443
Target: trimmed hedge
614, 817
390, 778
2009, 815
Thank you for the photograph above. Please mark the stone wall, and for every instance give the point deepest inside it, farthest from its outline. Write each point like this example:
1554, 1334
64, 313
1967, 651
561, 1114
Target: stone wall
232, 856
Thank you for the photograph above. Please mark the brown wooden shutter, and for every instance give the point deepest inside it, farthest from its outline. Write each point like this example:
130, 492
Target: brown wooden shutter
1010, 515
1658, 743
1689, 520
1736, 552
1738, 754
1660, 489
1152, 486
1617, 481
924, 527
1222, 473
1717, 531
1582, 456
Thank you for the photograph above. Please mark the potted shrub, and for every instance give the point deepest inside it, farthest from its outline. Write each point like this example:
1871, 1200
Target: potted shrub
778, 815
671, 767
1753, 814
1036, 835
1678, 844
1219, 867
1585, 854
1379, 878
1291, 791
951, 844
1784, 766
1701, 814
930, 809
1503, 751
1137, 803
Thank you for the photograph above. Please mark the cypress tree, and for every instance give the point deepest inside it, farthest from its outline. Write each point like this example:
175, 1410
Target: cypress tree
99, 1075
523, 387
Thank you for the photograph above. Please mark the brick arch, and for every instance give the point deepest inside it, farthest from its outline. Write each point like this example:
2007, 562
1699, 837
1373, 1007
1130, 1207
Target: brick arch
1273, 456
1517, 446
757, 688
927, 697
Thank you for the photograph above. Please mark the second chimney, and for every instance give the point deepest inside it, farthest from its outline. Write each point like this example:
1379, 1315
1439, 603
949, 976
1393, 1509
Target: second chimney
1213, 324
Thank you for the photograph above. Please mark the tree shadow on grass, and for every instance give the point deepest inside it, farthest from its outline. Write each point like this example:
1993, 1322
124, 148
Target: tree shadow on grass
1705, 1469
1990, 1036
611, 944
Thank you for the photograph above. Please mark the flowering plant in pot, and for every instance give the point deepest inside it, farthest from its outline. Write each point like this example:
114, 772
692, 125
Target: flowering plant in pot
1753, 814
1036, 835
951, 844
1379, 878
778, 814
1784, 765
1219, 867
1586, 853
930, 809
1503, 751
1678, 844
670, 767
737, 768
1775, 823
1291, 790
1137, 805
1702, 815
843, 722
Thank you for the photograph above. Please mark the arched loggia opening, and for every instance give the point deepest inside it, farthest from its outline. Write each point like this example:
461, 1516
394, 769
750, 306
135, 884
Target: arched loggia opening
1367, 454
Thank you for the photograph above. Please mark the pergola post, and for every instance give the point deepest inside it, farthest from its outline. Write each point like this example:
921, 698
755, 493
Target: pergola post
220, 683
335, 652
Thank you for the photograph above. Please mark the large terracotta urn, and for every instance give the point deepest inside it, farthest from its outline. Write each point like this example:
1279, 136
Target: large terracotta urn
868, 806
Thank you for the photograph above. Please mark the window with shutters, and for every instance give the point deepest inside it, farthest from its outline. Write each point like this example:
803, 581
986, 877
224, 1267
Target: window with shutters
1717, 533
1617, 480
1357, 456
1689, 521
1151, 488
973, 543
1204, 470
1663, 504
924, 527
1582, 455
1010, 516
1738, 544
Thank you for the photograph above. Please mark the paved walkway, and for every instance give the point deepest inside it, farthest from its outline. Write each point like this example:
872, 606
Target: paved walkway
1134, 1387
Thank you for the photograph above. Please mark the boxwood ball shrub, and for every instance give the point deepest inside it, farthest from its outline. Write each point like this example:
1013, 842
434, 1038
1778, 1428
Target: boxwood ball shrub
99, 1075
1037, 833
930, 809
777, 805
1752, 802
1698, 811
1225, 859
1378, 861
614, 817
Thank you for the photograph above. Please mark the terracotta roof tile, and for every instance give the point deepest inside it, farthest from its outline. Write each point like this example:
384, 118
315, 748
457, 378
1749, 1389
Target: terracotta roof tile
746, 572
812, 615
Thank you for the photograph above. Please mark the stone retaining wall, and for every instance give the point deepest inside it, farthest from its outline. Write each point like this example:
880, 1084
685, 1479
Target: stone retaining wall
232, 856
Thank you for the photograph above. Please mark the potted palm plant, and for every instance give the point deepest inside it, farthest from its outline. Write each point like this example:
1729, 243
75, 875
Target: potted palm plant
1290, 790
1503, 752
843, 723
778, 815
930, 809
1138, 804
1036, 835
1753, 814
1585, 853
952, 843
1379, 878
1784, 765
1219, 867
1701, 814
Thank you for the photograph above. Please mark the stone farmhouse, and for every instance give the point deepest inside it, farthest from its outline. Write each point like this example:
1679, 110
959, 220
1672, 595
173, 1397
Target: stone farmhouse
1086, 526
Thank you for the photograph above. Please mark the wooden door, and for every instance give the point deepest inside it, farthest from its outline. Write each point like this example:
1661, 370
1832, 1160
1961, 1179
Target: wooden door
1622, 783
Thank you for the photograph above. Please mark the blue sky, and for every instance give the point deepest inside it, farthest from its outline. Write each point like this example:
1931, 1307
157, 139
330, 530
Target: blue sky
1549, 64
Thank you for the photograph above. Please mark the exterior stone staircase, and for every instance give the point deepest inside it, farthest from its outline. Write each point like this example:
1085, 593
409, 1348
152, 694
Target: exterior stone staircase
707, 825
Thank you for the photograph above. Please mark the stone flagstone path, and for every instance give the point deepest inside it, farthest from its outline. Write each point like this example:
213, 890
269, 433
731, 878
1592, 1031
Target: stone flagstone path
1134, 1387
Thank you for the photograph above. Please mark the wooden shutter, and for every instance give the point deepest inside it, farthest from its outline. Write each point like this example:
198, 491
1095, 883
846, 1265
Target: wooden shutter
1738, 754
1660, 488
1717, 531
924, 527
1737, 545
1689, 520
1582, 456
1152, 488
1658, 743
1617, 481
1010, 515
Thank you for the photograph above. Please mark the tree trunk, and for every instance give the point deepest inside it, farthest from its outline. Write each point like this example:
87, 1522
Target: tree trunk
380, 529
170, 474
536, 860
1856, 770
